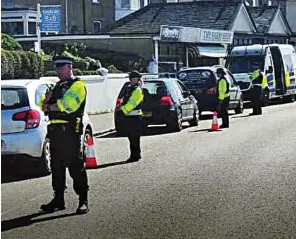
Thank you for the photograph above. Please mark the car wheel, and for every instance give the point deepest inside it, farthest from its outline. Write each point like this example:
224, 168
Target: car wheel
289, 99
45, 167
176, 126
194, 121
240, 107
84, 148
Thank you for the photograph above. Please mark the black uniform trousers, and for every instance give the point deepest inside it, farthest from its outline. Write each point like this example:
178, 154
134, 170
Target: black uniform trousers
223, 110
256, 98
131, 128
65, 151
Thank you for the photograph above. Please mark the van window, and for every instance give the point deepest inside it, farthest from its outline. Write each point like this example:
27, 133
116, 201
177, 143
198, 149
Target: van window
196, 79
246, 64
293, 57
288, 62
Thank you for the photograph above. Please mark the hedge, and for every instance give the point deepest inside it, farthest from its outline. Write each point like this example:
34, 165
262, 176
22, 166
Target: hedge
21, 65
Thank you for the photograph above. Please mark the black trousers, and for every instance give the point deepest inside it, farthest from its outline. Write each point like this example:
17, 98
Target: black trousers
256, 98
224, 105
65, 150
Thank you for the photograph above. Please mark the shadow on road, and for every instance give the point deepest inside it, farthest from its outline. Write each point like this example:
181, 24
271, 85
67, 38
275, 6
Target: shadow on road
28, 220
205, 130
13, 171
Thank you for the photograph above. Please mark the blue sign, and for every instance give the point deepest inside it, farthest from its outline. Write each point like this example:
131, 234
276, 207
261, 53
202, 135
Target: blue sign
51, 19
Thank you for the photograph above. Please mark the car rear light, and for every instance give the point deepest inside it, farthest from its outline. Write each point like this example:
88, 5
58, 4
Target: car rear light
212, 91
118, 102
166, 100
31, 117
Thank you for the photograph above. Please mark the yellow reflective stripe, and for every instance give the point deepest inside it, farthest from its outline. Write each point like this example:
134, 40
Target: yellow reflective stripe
264, 82
133, 101
287, 78
73, 98
57, 121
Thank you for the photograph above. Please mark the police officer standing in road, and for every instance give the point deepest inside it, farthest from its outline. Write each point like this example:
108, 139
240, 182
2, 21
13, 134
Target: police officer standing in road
224, 97
256, 92
130, 111
64, 106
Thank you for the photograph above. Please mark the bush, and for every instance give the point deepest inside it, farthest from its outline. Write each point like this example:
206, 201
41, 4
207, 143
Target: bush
50, 73
113, 69
21, 65
17, 64
9, 43
4, 65
76, 72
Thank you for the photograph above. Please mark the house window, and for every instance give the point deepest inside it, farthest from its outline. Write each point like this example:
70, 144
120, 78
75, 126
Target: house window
125, 4
12, 28
97, 25
32, 28
95, 1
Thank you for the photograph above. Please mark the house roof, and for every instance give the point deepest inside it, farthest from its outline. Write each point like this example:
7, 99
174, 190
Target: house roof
200, 14
263, 17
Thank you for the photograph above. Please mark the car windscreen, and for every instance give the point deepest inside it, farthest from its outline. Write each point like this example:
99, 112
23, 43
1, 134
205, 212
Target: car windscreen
13, 98
246, 64
195, 79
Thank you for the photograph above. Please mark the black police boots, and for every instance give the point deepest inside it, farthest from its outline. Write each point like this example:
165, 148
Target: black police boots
83, 204
57, 203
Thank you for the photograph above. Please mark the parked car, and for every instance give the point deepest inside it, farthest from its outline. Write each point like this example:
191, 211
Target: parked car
24, 125
166, 101
202, 83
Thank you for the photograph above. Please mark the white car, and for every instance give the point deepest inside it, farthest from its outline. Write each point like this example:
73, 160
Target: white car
24, 125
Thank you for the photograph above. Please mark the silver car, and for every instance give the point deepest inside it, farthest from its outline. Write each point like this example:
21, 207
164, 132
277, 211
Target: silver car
24, 125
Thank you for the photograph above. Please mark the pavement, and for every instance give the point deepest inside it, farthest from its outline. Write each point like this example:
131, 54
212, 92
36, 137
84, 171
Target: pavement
237, 183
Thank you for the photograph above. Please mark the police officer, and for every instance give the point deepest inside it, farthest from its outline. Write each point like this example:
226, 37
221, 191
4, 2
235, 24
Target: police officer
130, 111
224, 97
64, 106
256, 92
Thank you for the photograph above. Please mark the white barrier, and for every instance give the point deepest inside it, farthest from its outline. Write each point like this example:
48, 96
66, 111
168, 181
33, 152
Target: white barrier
102, 91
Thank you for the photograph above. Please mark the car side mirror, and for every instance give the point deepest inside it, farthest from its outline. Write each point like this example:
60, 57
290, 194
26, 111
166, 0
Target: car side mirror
269, 70
186, 94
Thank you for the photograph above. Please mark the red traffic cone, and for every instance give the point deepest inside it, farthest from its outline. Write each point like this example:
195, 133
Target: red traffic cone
215, 125
90, 159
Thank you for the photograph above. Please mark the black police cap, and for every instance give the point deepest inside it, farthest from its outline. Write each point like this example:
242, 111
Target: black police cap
135, 74
62, 60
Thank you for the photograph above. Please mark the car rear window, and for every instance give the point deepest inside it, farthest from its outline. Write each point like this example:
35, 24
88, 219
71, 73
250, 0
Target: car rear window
197, 77
154, 88
13, 98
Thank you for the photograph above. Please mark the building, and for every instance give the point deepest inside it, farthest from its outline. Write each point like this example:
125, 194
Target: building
126, 7
77, 17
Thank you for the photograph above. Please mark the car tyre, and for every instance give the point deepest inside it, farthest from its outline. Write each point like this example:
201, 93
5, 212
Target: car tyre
194, 121
240, 107
265, 98
45, 167
176, 126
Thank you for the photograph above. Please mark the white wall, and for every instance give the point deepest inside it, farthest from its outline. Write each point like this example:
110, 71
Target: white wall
102, 91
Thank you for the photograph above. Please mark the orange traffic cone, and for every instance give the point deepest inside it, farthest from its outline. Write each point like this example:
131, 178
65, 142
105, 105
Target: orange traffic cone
215, 125
90, 160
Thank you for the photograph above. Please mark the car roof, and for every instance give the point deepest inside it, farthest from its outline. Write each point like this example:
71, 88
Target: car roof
23, 82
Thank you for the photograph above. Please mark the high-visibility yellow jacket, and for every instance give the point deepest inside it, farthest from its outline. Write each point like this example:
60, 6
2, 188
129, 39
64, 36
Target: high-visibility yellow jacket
223, 89
132, 100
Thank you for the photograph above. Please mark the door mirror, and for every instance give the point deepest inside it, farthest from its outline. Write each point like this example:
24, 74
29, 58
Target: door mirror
186, 94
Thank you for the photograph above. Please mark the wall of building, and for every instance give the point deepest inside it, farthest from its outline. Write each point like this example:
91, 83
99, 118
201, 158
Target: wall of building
104, 12
291, 15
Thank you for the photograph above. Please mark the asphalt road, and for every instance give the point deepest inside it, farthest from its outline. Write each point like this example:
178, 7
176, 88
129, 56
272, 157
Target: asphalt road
235, 183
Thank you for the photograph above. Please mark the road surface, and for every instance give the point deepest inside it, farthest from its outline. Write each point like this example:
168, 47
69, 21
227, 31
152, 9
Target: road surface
235, 183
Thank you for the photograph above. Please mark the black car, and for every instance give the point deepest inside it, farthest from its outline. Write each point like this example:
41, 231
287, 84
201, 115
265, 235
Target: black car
202, 83
166, 101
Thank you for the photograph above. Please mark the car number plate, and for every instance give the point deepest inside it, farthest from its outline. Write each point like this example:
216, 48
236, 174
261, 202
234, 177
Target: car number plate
147, 114
3, 146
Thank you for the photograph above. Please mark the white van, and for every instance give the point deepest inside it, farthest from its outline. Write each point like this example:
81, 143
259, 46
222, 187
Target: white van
277, 62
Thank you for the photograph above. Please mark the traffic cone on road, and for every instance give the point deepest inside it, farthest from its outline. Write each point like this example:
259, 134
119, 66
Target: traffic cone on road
90, 159
215, 125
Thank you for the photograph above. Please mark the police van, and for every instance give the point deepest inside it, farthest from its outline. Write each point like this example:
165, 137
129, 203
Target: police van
277, 63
